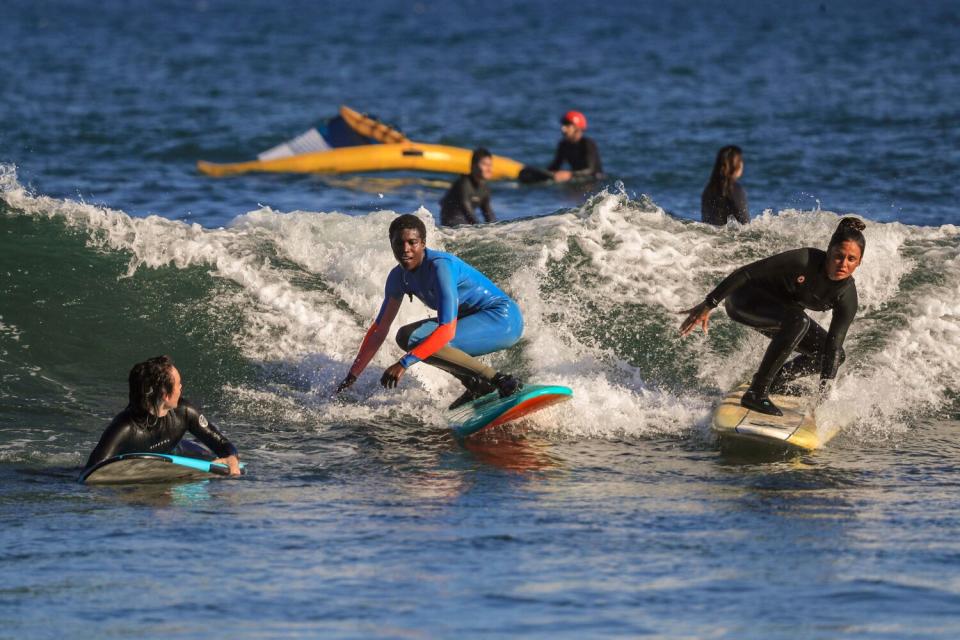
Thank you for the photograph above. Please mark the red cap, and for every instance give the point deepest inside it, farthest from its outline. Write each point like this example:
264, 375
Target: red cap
575, 118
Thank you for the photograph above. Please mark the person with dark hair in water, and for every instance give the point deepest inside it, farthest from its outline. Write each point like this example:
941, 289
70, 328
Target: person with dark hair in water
771, 295
469, 192
157, 418
723, 197
577, 150
474, 317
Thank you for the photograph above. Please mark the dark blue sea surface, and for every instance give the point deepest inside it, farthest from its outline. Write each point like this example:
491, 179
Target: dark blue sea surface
613, 515
850, 106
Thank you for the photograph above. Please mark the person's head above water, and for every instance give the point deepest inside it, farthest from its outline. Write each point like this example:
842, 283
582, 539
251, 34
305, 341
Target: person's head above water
408, 239
572, 125
154, 386
481, 164
846, 247
727, 168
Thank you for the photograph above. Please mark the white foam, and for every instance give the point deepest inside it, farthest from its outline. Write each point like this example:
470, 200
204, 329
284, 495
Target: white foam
916, 371
310, 284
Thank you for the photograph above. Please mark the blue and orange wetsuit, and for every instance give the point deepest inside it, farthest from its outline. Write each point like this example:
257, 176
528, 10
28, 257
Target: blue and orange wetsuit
474, 317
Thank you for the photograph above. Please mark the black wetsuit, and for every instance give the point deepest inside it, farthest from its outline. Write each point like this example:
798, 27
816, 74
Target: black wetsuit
459, 203
141, 434
583, 157
770, 295
715, 208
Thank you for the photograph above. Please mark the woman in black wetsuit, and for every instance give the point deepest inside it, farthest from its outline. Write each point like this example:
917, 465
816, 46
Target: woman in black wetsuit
771, 295
157, 418
723, 197
469, 192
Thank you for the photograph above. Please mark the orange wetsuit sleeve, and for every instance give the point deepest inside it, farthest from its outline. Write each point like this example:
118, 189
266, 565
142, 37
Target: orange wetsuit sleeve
433, 343
376, 334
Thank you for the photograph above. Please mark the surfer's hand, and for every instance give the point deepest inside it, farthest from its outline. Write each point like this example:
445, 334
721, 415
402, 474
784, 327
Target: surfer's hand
698, 315
391, 377
346, 384
233, 462
562, 176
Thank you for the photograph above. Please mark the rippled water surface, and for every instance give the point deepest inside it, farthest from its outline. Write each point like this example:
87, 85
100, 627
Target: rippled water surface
613, 515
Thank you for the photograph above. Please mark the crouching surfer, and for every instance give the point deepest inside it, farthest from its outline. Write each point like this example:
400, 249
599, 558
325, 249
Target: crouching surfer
771, 295
474, 317
157, 418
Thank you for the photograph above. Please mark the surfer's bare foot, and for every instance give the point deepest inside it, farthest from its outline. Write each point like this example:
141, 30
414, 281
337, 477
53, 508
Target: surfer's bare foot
761, 404
506, 384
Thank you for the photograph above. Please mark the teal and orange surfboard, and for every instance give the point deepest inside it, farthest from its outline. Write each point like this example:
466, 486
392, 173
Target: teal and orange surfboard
492, 410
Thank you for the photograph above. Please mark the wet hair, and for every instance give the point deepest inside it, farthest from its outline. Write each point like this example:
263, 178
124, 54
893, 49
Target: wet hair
408, 221
150, 382
849, 230
478, 154
728, 159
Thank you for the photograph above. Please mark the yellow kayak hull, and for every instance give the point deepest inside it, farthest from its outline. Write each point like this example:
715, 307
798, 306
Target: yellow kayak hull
407, 156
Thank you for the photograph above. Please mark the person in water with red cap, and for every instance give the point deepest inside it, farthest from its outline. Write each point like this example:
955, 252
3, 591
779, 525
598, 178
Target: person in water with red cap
576, 149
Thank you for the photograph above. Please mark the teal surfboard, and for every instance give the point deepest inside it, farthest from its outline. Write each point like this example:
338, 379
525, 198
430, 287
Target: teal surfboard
142, 468
492, 410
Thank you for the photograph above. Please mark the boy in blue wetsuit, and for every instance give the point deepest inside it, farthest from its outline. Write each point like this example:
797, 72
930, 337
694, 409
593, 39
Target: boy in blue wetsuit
474, 317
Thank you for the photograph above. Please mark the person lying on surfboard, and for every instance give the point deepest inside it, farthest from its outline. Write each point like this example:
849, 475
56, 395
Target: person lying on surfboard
469, 192
157, 418
770, 295
474, 317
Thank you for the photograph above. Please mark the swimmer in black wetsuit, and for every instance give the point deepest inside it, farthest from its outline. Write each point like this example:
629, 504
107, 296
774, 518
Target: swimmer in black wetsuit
770, 295
723, 197
469, 192
579, 151
157, 418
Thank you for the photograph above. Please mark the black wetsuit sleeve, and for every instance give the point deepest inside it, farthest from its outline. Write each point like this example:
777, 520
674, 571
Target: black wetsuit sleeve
738, 197
557, 159
466, 204
708, 209
592, 159
455, 207
113, 438
204, 431
844, 312
782, 263
486, 207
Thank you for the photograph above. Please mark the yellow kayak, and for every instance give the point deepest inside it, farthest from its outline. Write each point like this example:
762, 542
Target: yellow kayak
403, 156
396, 153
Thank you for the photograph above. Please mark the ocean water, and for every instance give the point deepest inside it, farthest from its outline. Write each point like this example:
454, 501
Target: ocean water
613, 515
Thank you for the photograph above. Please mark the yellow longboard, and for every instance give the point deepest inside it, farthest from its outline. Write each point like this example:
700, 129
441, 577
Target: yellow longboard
796, 429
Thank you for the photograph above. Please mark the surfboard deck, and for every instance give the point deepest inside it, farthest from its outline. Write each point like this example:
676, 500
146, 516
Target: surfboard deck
492, 410
144, 468
795, 430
